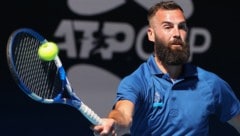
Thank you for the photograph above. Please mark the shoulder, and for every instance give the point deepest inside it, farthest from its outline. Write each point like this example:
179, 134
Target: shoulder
138, 80
212, 80
138, 76
201, 73
133, 85
208, 75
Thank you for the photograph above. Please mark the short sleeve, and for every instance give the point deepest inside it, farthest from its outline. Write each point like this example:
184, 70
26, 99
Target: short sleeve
227, 104
128, 89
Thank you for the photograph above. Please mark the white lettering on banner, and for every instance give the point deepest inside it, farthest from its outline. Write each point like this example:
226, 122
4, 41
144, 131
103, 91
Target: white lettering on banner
87, 28
111, 33
119, 37
65, 30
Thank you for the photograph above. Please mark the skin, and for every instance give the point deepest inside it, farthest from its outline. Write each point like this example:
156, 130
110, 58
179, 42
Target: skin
165, 25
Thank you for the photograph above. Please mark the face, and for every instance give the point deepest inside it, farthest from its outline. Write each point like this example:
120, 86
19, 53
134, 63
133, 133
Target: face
168, 30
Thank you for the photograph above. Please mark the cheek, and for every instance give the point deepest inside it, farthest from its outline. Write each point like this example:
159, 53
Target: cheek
163, 37
184, 35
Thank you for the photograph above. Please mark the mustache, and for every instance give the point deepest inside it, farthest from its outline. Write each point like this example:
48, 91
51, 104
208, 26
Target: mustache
177, 41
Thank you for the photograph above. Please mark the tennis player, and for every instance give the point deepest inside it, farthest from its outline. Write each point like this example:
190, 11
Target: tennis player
166, 95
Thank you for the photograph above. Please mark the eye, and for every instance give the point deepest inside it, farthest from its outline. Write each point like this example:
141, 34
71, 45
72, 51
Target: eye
183, 26
167, 26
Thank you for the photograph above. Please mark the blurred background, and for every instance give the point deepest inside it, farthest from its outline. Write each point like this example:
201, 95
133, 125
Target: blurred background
100, 42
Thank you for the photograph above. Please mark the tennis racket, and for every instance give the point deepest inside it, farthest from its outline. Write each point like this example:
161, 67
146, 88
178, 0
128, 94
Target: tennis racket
43, 81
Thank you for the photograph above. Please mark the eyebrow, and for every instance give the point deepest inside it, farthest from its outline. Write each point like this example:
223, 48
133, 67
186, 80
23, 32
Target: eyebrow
167, 22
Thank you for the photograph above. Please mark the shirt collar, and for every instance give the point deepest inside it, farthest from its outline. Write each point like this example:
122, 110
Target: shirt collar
188, 69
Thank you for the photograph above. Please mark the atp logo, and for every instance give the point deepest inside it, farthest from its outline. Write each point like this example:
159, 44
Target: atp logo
119, 37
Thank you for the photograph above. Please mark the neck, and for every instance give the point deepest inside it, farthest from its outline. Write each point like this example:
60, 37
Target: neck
173, 70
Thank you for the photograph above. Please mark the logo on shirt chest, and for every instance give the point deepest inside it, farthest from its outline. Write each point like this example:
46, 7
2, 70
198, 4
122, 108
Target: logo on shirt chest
158, 100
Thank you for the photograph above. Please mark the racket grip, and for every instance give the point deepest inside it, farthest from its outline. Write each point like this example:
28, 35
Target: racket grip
90, 114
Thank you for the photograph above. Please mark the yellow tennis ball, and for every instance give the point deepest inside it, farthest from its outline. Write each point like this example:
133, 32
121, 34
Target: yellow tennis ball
48, 51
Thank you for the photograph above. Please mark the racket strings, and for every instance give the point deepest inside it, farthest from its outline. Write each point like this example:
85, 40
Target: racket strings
38, 76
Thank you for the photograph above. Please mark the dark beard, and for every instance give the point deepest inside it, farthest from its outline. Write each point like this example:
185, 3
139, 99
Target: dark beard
171, 56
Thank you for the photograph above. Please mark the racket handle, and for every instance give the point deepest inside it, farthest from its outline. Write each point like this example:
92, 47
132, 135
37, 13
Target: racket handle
90, 114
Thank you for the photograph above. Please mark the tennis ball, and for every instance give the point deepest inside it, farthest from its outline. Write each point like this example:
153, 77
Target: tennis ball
48, 51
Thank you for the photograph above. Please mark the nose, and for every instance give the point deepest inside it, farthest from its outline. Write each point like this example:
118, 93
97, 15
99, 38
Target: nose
176, 33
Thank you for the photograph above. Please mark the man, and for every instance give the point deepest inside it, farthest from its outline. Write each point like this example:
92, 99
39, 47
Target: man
166, 95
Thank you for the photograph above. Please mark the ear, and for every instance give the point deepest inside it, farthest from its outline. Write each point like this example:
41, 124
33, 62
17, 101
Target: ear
150, 33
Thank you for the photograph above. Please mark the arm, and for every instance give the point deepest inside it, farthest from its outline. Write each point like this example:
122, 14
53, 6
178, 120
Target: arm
122, 114
235, 122
119, 119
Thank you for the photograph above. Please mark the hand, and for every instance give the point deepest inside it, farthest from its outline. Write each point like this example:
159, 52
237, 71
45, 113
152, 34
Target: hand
107, 128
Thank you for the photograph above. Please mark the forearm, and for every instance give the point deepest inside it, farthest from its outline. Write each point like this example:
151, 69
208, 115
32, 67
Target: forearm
118, 121
121, 119
235, 122
122, 115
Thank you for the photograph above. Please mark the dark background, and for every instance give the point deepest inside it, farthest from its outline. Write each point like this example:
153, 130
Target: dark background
21, 116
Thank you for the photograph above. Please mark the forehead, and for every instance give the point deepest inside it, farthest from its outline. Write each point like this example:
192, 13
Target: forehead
174, 16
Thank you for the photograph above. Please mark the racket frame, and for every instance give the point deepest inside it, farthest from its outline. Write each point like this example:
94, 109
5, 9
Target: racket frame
73, 99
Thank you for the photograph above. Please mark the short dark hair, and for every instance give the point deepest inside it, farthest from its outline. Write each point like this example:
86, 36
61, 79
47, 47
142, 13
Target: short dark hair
167, 5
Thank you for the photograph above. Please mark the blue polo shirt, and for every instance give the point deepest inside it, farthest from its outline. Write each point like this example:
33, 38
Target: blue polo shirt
181, 107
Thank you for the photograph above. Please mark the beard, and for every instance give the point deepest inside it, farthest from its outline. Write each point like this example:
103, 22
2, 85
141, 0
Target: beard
172, 56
